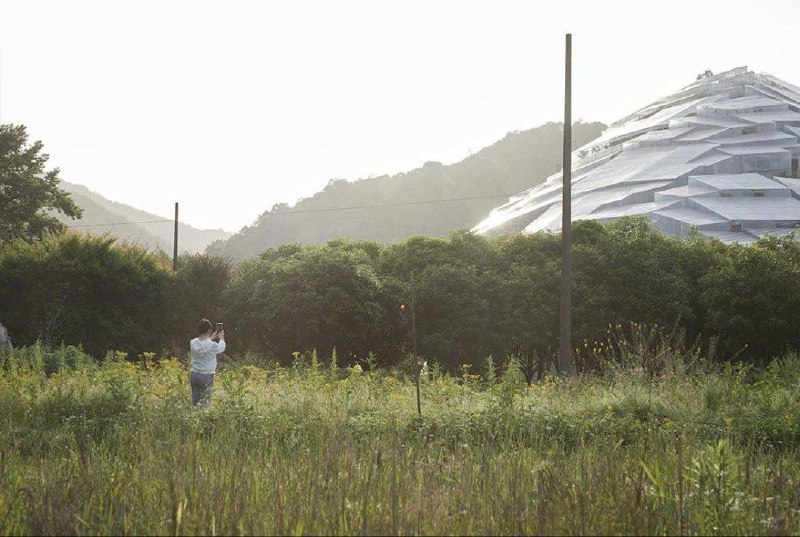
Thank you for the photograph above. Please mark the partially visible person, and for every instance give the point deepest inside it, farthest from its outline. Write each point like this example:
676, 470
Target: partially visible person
204, 360
5, 340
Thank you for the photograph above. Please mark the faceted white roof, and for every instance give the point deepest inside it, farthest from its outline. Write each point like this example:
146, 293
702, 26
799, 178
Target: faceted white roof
745, 103
690, 216
698, 133
793, 184
728, 237
720, 154
743, 208
736, 181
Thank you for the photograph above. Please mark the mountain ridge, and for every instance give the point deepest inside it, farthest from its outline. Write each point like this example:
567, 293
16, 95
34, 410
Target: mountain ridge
431, 200
124, 222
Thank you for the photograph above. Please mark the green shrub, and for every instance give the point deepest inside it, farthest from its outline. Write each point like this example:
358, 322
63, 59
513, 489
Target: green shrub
88, 291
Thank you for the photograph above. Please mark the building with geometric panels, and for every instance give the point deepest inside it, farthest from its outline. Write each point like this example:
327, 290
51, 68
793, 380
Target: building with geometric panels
721, 155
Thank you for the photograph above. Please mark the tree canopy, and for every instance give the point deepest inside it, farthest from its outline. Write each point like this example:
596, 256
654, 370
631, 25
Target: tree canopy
29, 194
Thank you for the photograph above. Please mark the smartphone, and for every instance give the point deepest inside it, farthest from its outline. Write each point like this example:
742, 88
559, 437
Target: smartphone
219, 327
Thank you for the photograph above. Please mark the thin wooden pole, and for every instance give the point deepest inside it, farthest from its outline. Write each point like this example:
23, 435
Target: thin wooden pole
413, 315
414, 336
175, 242
565, 363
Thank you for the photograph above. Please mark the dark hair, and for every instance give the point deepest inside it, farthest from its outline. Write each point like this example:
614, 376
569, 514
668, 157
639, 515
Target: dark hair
203, 327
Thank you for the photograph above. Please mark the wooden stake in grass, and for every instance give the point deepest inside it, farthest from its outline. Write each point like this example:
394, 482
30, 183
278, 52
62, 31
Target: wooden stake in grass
393, 483
679, 450
419, 398
414, 338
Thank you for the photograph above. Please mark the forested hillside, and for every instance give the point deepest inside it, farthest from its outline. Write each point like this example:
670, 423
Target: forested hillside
386, 208
101, 215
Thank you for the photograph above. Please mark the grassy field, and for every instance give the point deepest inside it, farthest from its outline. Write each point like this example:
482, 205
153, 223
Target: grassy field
116, 448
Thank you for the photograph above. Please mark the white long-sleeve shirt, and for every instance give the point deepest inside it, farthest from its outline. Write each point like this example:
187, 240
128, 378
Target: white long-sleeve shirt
204, 355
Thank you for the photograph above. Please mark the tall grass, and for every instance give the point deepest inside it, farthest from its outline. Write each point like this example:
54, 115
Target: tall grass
115, 447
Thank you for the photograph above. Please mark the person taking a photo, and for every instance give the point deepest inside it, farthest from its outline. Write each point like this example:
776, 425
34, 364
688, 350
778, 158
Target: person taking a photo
204, 351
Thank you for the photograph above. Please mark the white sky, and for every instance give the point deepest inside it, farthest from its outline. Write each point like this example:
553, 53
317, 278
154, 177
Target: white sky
229, 107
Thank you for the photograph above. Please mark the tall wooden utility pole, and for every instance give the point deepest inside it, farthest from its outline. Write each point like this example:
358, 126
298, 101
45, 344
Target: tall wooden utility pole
565, 363
175, 242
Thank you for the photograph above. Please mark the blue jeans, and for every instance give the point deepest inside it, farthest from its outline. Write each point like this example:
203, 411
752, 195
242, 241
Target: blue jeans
201, 387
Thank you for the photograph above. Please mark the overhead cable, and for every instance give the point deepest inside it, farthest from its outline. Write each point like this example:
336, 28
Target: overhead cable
324, 209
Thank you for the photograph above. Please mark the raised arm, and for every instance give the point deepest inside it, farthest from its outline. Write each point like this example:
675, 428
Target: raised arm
219, 347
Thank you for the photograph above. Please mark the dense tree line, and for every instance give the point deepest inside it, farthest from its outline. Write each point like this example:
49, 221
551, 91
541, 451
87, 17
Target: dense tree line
473, 296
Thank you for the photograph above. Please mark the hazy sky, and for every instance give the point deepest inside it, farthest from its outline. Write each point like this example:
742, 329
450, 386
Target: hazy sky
230, 107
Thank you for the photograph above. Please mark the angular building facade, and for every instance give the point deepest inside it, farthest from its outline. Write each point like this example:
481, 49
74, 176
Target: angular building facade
720, 155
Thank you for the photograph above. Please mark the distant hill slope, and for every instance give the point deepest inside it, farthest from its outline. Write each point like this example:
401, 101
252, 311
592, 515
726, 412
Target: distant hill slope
477, 184
101, 215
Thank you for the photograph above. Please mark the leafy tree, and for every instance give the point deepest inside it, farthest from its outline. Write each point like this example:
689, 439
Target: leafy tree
29, 194
454, 315
317, 298
698, 256
753, 297
626, 272
86, 291
456, 283
527, 324
705, 74
198, 292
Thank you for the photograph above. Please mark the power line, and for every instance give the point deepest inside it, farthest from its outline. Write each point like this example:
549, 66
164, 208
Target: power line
330, 209
399, 203
120, 223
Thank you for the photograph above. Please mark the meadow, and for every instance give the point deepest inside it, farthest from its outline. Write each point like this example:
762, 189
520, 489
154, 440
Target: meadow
651, 443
